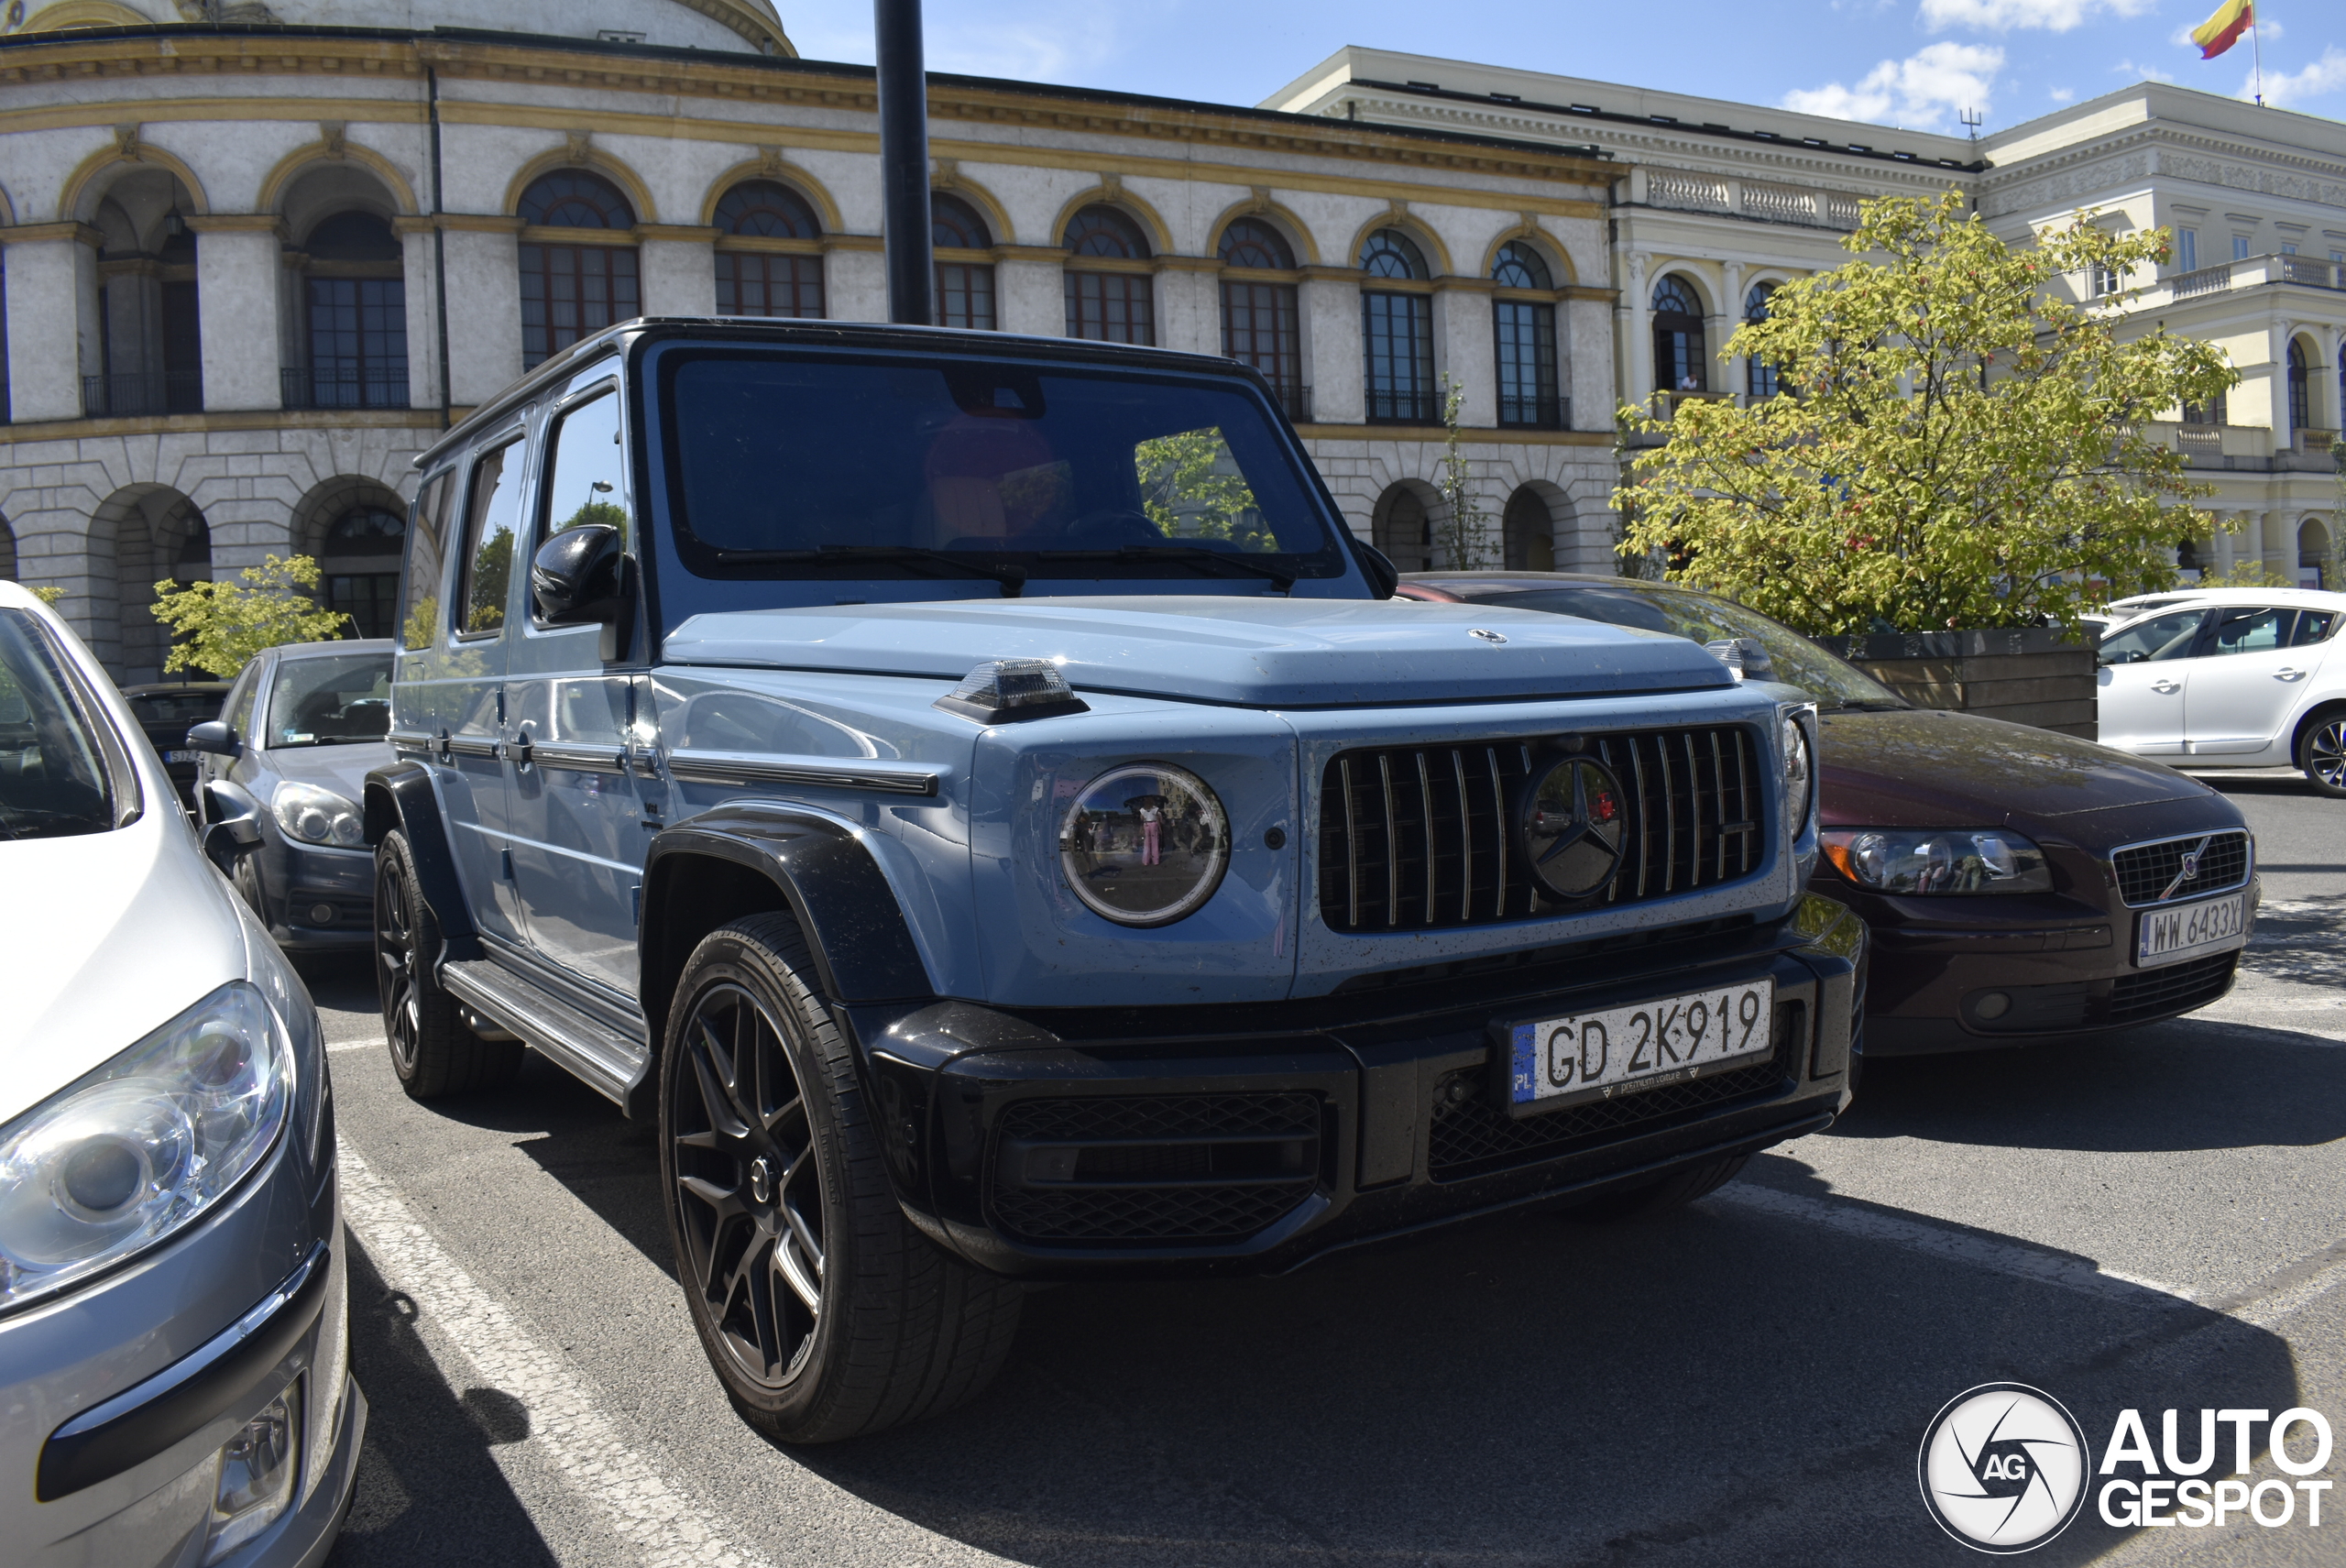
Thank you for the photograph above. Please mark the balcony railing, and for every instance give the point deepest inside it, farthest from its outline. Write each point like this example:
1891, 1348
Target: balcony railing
1541, 412
1402, 406
2249, 273
1294, 400
371, 387
142, 392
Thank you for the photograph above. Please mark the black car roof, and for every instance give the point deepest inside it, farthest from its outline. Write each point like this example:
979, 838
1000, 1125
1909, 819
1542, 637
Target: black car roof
957, 341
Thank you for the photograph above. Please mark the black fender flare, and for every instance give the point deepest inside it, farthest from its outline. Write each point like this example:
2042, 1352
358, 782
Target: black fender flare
400, 796
856, 931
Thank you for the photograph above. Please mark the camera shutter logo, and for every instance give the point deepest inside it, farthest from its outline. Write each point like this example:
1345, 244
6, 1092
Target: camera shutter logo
2003, 1468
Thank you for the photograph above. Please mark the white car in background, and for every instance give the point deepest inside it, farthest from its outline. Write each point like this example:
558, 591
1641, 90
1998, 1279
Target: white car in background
2229, 678
174, 1320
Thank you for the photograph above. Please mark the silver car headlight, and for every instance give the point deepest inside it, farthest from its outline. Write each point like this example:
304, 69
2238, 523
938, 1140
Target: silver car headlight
1800, 772
117, 1162
1938, 859
318, 815
1144, 844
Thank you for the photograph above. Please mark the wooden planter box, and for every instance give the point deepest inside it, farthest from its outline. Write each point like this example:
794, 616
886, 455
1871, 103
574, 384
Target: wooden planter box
2037, 675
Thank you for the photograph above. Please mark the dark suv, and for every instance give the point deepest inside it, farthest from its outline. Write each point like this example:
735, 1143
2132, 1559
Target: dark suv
974, 793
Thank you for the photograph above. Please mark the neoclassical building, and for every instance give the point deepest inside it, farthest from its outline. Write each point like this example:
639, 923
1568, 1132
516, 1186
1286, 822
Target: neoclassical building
1714, 202
256, 256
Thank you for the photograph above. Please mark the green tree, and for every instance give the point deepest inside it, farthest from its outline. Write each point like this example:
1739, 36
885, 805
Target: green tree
1192, 487
49, 596
1957, 444
1464, 541
216, 627
492, 575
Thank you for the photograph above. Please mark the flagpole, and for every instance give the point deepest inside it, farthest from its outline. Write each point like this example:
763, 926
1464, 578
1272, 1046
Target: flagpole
2256, 43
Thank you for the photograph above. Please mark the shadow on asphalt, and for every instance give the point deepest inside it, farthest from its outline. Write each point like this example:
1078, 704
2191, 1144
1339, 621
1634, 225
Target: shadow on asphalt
428, 1490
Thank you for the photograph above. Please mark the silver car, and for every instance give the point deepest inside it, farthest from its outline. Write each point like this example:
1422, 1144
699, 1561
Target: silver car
174, 1322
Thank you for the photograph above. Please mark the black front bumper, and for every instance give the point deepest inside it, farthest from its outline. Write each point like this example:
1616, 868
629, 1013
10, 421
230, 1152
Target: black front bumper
1188, 1141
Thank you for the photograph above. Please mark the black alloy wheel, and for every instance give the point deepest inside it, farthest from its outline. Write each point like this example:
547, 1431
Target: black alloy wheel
2322, 754
748, 1188
433, 1052
824, 1313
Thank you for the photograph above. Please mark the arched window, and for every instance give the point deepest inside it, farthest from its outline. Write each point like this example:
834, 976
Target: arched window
1403, 530
1758, 376
964, 288
2300, 393
356, 317
1680, 363
358, 564
1389, 253
1524, 333
765, 283
1518, 266
1528, 531
573, 291
1112, 307
1397, 333
1260, 323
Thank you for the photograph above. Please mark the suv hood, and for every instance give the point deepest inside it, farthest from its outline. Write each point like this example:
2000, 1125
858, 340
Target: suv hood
1254, 652
107, 937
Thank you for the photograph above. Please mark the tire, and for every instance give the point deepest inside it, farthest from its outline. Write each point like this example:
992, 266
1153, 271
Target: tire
2321, 752
825, 1314
431, 1051
1652, 1199
245, 878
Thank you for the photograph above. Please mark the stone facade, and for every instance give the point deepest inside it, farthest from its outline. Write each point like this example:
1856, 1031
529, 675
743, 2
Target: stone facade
165, 190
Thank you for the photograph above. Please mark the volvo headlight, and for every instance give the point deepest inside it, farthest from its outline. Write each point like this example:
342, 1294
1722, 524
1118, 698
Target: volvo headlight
1960, 859
1144, 844
318, 815
114, 1164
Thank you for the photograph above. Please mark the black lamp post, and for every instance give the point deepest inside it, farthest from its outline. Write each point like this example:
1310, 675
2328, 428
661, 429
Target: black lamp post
903, 160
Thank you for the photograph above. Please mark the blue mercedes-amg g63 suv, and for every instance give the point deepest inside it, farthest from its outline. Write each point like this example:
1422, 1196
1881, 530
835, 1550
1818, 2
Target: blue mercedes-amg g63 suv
975, 797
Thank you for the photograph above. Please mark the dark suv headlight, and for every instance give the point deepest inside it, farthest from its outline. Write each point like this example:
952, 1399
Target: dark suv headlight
1938, 859
135, 1151
1144, 844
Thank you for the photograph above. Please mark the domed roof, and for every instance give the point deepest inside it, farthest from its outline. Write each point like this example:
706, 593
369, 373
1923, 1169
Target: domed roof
733, 25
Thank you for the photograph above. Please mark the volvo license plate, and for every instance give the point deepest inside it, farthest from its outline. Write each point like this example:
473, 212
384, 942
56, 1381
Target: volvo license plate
181, 756
2190, 930
1624, 1050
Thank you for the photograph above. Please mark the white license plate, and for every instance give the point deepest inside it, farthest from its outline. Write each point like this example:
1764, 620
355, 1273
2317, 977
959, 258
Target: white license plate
2187, 930
1621, 1050
181, 756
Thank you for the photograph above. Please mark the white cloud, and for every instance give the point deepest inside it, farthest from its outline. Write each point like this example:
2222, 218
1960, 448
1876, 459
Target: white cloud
2134, 72
1918, 91
2061, 94
1037, 40
2004, 15
2324, 75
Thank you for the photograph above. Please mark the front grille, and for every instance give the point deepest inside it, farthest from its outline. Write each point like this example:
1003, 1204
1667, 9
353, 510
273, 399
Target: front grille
1420, 838
1473, 1137
2145, 872
1162, 1169
2177, 988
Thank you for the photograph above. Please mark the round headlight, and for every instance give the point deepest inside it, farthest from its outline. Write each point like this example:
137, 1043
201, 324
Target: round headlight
1144, 844
1799, 779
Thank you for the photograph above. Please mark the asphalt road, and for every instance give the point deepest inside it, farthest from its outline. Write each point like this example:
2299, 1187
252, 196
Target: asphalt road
2151, 1224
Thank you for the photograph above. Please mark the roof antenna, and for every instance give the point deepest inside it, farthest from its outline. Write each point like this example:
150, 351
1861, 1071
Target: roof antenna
1972, 118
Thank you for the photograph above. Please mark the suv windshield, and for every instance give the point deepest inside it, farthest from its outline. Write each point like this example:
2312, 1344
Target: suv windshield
331, 701
1682, 612
54, 778
835, 467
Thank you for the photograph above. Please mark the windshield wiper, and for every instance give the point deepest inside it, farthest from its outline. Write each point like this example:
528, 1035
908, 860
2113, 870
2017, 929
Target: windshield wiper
1011, 579
1182, 555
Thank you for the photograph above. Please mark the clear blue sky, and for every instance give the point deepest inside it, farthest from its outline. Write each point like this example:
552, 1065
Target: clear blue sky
1912, 63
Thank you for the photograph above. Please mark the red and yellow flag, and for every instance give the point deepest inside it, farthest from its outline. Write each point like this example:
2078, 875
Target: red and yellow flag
2223, 30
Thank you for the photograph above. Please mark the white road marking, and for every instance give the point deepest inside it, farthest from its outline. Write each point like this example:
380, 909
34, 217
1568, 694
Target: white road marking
1956, 1245
663, 1526
338, 1047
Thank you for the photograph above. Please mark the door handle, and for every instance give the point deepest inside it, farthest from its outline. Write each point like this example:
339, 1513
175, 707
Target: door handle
2288, 673
519, 750
2166, 688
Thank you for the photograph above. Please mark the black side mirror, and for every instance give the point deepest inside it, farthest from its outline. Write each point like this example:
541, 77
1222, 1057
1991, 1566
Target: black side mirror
1383, 576
579, 577
213, 736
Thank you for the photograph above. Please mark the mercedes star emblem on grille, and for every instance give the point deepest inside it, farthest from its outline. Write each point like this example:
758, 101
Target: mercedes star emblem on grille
1485, 636
1572, 827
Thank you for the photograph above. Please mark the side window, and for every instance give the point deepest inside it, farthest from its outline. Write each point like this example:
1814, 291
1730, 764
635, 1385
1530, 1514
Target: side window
493, 509
427, 533
2253, 631
238, 709
586, 481
2161, 637
2314, 626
